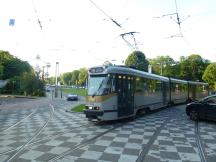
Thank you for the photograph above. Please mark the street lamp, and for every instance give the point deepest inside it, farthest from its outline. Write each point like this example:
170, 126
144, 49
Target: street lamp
56, 79
149, 68
161, 67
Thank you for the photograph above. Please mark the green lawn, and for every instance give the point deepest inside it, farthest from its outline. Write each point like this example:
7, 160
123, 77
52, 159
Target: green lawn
78, 108
78, 91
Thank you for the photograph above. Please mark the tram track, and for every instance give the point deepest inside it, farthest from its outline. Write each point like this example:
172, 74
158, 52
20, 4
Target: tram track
34, 136
20, 121
151, 141
39, 141
84, 143
14, 125
145, 149
88, 141
199, 143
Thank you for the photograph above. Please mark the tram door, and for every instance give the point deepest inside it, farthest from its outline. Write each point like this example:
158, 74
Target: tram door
125, 95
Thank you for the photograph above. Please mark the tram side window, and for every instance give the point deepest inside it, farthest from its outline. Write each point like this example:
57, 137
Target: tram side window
140, 84
108, 85
201, 88
113, 83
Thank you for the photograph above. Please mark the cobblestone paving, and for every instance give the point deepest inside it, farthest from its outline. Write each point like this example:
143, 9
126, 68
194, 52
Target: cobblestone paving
167, 136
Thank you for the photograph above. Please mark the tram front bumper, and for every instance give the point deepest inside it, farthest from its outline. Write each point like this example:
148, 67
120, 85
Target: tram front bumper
93, 113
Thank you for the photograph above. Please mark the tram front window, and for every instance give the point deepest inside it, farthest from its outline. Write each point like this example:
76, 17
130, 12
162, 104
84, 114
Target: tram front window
98, 85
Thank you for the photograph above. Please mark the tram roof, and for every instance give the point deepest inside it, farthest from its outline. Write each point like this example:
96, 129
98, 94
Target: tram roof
197, 83
178, 81
134, 72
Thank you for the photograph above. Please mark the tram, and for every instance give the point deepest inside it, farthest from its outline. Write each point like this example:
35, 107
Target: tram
116, 92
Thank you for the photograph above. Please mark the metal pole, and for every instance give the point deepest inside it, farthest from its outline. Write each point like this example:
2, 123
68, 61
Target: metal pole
56, 80
161, 68
61, 91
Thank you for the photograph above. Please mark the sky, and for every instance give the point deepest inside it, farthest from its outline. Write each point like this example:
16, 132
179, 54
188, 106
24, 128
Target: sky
77, 34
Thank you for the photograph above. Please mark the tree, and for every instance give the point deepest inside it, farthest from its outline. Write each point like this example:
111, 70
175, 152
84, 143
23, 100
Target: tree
209, 75
51, 80
20, 75
1, 71
66, 78
138, 60
164, 65
193, 67
31, 84
83, 74
75, 77
12, 66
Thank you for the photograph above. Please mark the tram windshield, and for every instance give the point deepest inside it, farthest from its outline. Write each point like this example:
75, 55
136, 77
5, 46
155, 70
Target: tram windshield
98, 85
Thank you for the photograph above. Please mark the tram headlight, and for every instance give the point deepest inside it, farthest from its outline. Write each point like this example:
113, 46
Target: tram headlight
90, 107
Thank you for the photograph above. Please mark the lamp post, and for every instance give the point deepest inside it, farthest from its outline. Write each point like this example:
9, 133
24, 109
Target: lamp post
149, 68
161, 65
56, 79
47, 67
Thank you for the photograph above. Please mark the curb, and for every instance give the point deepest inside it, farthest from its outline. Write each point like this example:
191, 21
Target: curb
15, 96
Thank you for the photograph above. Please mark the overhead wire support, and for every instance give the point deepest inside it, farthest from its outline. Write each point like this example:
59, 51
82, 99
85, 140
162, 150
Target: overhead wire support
38, 20
133, 47
177, 20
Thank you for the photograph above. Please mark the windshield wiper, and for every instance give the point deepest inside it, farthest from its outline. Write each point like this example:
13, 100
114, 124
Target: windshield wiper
98, 88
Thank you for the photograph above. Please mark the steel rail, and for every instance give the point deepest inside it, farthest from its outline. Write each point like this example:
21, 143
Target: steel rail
20, 120
33, 137
199, 143
83, 143
147, 147
47, 138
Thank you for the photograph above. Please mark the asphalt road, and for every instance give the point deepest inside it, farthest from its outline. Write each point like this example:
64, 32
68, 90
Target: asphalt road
41, 130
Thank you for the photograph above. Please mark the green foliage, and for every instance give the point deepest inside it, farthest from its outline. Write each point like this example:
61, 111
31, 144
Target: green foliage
78, 91
31, 85
51, 80
209, 75
75, 77
78, 108
12, 66
193, 67
21, 76
138, 60
1, 71
83, 74
66, 78
165, 65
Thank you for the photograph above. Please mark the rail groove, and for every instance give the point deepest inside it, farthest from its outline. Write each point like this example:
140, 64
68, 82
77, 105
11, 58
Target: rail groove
20, 121
33, 137
199, 143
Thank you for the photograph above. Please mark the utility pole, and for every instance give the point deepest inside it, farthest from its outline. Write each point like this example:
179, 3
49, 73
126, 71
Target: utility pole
47, 67
43, 73
56, 79
161, 64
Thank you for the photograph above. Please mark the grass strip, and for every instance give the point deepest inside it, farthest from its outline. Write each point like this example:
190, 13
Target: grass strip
78, 91
78, 108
